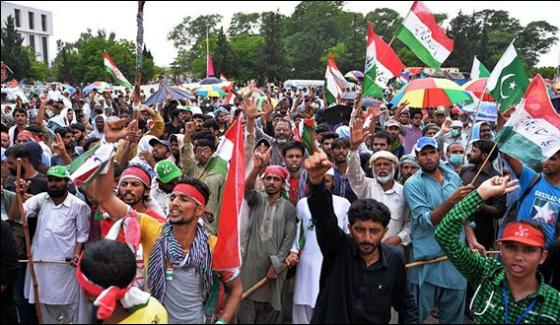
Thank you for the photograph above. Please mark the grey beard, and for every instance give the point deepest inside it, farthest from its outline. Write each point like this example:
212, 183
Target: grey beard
385, 179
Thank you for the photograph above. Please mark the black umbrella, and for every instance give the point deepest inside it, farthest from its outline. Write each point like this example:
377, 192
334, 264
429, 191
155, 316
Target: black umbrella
210, 81
335, 114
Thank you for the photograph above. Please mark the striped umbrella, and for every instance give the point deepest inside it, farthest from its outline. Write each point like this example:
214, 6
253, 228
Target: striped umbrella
210, 91
432, 92
99, 86
354, 75
476, 87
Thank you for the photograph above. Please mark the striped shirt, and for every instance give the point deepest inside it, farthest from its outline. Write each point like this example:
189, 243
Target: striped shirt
487, 276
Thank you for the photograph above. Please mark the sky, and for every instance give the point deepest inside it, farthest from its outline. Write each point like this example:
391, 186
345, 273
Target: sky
72, 18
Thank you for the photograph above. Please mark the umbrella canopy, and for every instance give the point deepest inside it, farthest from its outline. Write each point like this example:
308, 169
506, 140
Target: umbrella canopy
160, 96
210, 81
354, 75
335, 114
99, 86
476, 87
210, 91
432, 92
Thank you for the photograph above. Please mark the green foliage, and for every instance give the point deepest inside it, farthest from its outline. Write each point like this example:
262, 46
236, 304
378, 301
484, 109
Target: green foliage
13, 53
81, 62
38, 70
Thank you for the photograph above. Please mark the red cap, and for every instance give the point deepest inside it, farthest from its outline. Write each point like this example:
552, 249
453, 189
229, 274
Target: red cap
524, 234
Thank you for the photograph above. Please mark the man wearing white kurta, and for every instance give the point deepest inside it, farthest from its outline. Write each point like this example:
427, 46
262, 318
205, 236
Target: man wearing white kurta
62, 229
383, 188
308, 272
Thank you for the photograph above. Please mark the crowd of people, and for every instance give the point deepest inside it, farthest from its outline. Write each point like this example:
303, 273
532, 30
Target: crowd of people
350, 230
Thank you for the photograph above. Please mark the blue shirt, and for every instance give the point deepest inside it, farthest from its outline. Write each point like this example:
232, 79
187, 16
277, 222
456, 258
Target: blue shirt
541, 204
342, 187
423, 195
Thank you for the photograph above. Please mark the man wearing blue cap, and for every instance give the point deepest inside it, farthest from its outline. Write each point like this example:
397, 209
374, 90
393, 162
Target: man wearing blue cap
430, 194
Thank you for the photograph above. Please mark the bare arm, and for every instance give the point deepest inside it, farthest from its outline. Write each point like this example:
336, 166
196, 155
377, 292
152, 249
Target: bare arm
515, 164
233, 299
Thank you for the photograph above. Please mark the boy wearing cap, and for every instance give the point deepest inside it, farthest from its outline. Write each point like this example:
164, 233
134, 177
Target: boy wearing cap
512, 291
167, 176
62, 229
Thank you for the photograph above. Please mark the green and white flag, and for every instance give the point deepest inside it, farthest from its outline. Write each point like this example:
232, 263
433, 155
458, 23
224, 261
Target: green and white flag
508, 81
478, 70
370, 87
334, 81
114, 71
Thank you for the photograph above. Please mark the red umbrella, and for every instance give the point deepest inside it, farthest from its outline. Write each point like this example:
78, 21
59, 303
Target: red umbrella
476, 86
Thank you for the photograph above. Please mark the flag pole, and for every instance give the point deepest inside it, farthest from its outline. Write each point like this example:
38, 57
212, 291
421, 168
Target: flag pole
207, 51
475, 118
139, 43
23, 217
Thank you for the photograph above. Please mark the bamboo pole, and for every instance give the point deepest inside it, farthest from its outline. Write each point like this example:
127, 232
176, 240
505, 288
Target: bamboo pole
139, 48
28, 242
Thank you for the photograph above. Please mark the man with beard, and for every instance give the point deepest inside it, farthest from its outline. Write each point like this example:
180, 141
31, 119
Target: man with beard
69, 141
494, 208
62, 229
194, 163
167, 176
162, 149
408, 167
430, 194
382, 187
35, 181
342, 187
270, 235
293, 153
282, 134
177, 253
361, 278
327, 139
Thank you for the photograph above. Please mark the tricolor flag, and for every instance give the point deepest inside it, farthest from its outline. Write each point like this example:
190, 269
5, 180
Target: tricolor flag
227, 255
387, 63
112, 69
370, 88
209, 65
84, 169
508, 80
532, 134
334, 81
303, 133
478, 70
422, 35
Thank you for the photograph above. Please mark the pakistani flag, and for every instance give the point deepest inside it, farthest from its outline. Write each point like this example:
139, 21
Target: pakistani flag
478, 70
370, 87
508, 81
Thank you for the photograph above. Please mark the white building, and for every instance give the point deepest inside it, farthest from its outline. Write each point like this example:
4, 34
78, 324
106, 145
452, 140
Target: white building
34, 25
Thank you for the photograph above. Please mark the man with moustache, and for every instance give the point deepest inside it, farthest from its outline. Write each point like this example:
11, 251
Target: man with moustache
383, 187
430, 194
361, 278
282, 134
62, 229
270, 235
293, 153
177, 253
342, 187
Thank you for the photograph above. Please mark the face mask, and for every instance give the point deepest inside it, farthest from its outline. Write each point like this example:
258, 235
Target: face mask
455, 133
456, 159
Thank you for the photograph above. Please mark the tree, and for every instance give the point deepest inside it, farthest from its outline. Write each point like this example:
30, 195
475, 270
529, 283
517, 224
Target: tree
38, 70
273, 61
244, 24
223, 56
13, 54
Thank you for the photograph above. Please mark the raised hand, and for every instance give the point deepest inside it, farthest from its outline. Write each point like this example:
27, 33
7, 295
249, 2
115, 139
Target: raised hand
317, 166
497, 186
58, 146
260, 160
115, 130
358, 134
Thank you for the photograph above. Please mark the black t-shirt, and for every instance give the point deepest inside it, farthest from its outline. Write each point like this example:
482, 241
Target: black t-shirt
171, 129
38, 184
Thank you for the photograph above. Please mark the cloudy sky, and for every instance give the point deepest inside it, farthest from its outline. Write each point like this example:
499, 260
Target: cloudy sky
72, 18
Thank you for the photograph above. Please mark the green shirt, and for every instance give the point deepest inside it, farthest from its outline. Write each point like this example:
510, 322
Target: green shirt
487, 275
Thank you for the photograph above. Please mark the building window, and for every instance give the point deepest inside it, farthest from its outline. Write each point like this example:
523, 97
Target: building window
44, 22
32, 41
31, 20
45, 50
17, 12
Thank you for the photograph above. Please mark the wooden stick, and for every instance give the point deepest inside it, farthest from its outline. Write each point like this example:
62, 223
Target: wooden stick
27, 242
44, 261
484, 163
436, 260
259, 285
392, 39
474, 121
